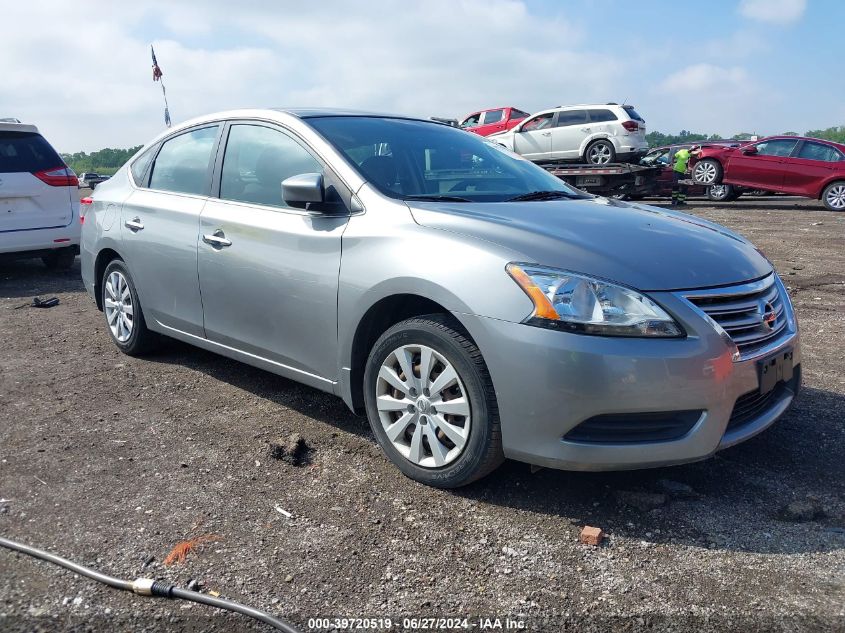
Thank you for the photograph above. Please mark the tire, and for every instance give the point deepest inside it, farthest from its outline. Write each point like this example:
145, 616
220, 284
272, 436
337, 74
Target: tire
707, 171
600, 152
60, 259
722, 193
833, 196
477, 449
133, 339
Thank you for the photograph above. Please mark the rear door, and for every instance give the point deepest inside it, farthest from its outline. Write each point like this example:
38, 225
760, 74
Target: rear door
270, 288
810, 167
570, 129
533, 140
34, 189
160, 225
765, 169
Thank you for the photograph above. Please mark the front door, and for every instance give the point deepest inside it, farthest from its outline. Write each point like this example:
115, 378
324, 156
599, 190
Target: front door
268, 272
533, 139
763, 169
159, 223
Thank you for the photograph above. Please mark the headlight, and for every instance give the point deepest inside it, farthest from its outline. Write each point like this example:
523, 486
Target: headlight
575, 303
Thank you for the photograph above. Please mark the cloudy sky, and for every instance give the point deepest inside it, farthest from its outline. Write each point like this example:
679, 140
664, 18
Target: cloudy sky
81, 71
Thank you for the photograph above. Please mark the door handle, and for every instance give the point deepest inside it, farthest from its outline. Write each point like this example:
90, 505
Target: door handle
547, 133
134, 224
585, 129
217, 239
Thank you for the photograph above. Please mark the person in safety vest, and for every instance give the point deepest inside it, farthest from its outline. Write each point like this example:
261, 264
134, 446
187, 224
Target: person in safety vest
679, 170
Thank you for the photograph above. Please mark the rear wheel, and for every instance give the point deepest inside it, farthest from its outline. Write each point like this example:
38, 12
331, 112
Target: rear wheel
600, 152
707, 172
431, 404
834, 196
124, 316
60, 259
722, 193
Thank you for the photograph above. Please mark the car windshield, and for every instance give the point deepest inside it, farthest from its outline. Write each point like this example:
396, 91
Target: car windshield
407, 159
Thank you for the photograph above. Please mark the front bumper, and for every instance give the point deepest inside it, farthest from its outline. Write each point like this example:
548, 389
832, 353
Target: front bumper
549, 382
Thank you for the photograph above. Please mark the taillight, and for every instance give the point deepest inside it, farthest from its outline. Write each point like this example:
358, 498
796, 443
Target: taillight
84, 203
58, 177
631, 126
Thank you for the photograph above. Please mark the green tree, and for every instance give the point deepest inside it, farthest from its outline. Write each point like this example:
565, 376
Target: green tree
105, 161
835, 134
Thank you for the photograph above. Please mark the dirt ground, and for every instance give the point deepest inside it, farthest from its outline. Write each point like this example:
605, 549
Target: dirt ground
111, 461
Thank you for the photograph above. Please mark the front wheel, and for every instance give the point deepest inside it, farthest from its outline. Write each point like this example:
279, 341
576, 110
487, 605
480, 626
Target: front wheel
600, 153
833, 196
707, 172
431, 404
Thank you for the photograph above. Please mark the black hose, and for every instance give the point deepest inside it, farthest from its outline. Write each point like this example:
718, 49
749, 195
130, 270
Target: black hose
76, 568
147, 587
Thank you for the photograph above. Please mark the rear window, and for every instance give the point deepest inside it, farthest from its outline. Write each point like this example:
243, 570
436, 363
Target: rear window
633, 113
519, 114
26, 151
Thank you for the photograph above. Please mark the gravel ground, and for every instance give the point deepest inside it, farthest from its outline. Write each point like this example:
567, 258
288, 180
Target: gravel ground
111, 461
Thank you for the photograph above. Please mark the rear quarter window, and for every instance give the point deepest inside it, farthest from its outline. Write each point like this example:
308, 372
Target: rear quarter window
140, 165
26, 151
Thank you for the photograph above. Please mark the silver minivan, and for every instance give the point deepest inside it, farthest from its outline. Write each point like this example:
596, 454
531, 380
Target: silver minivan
475, 307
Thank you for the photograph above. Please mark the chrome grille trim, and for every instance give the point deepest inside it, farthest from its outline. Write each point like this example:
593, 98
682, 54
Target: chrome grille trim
740, 311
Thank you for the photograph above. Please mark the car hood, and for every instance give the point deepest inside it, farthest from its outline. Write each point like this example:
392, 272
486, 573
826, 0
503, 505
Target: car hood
637, 245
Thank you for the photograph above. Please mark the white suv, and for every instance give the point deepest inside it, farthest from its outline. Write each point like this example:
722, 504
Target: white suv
595, 134
39, 201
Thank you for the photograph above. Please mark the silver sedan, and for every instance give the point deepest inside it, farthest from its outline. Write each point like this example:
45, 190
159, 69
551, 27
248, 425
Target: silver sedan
473, 306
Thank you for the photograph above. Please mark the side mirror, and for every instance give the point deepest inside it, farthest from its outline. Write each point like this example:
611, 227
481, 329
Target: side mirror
749, 151
298, 191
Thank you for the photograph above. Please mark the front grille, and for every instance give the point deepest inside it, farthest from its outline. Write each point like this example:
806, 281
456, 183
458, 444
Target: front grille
634, 427
752, 314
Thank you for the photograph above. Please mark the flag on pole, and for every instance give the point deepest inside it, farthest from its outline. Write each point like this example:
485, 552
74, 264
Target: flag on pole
157, 76
156, 70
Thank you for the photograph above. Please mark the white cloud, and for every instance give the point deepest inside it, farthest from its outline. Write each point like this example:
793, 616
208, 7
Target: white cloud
773, 11
702, 78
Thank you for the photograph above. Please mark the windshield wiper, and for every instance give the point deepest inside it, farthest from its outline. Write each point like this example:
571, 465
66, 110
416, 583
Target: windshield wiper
438, 198
545, 195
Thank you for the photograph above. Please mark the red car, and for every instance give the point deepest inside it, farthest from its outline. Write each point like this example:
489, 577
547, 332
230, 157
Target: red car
487, 122
806, 167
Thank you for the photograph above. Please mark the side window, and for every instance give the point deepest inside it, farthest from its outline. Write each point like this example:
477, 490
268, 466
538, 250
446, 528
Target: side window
471, 120
539, 122
571, 117
257, 160
818, 151
519, 114
493, 116
182, 163
776, 147
600, 116
139, 167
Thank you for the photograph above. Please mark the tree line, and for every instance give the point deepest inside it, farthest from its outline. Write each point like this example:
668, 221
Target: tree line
659, 139
105, 161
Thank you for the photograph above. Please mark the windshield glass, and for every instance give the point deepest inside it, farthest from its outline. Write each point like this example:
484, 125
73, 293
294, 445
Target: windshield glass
405, 159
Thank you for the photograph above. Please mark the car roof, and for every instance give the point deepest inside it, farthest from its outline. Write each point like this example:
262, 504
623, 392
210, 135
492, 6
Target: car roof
10, 126
839, 146
313, 113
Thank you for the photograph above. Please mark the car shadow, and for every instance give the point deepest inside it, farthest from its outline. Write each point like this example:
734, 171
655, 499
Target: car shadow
735, 500
30, 278
281, 391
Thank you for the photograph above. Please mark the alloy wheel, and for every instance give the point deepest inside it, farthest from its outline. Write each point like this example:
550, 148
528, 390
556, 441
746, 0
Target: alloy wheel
120, 312
719, 192
705, 173
835, 197
599, 154
423, 406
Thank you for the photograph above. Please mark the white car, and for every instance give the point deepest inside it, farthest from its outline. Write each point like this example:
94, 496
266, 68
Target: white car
595, 134
39, 201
